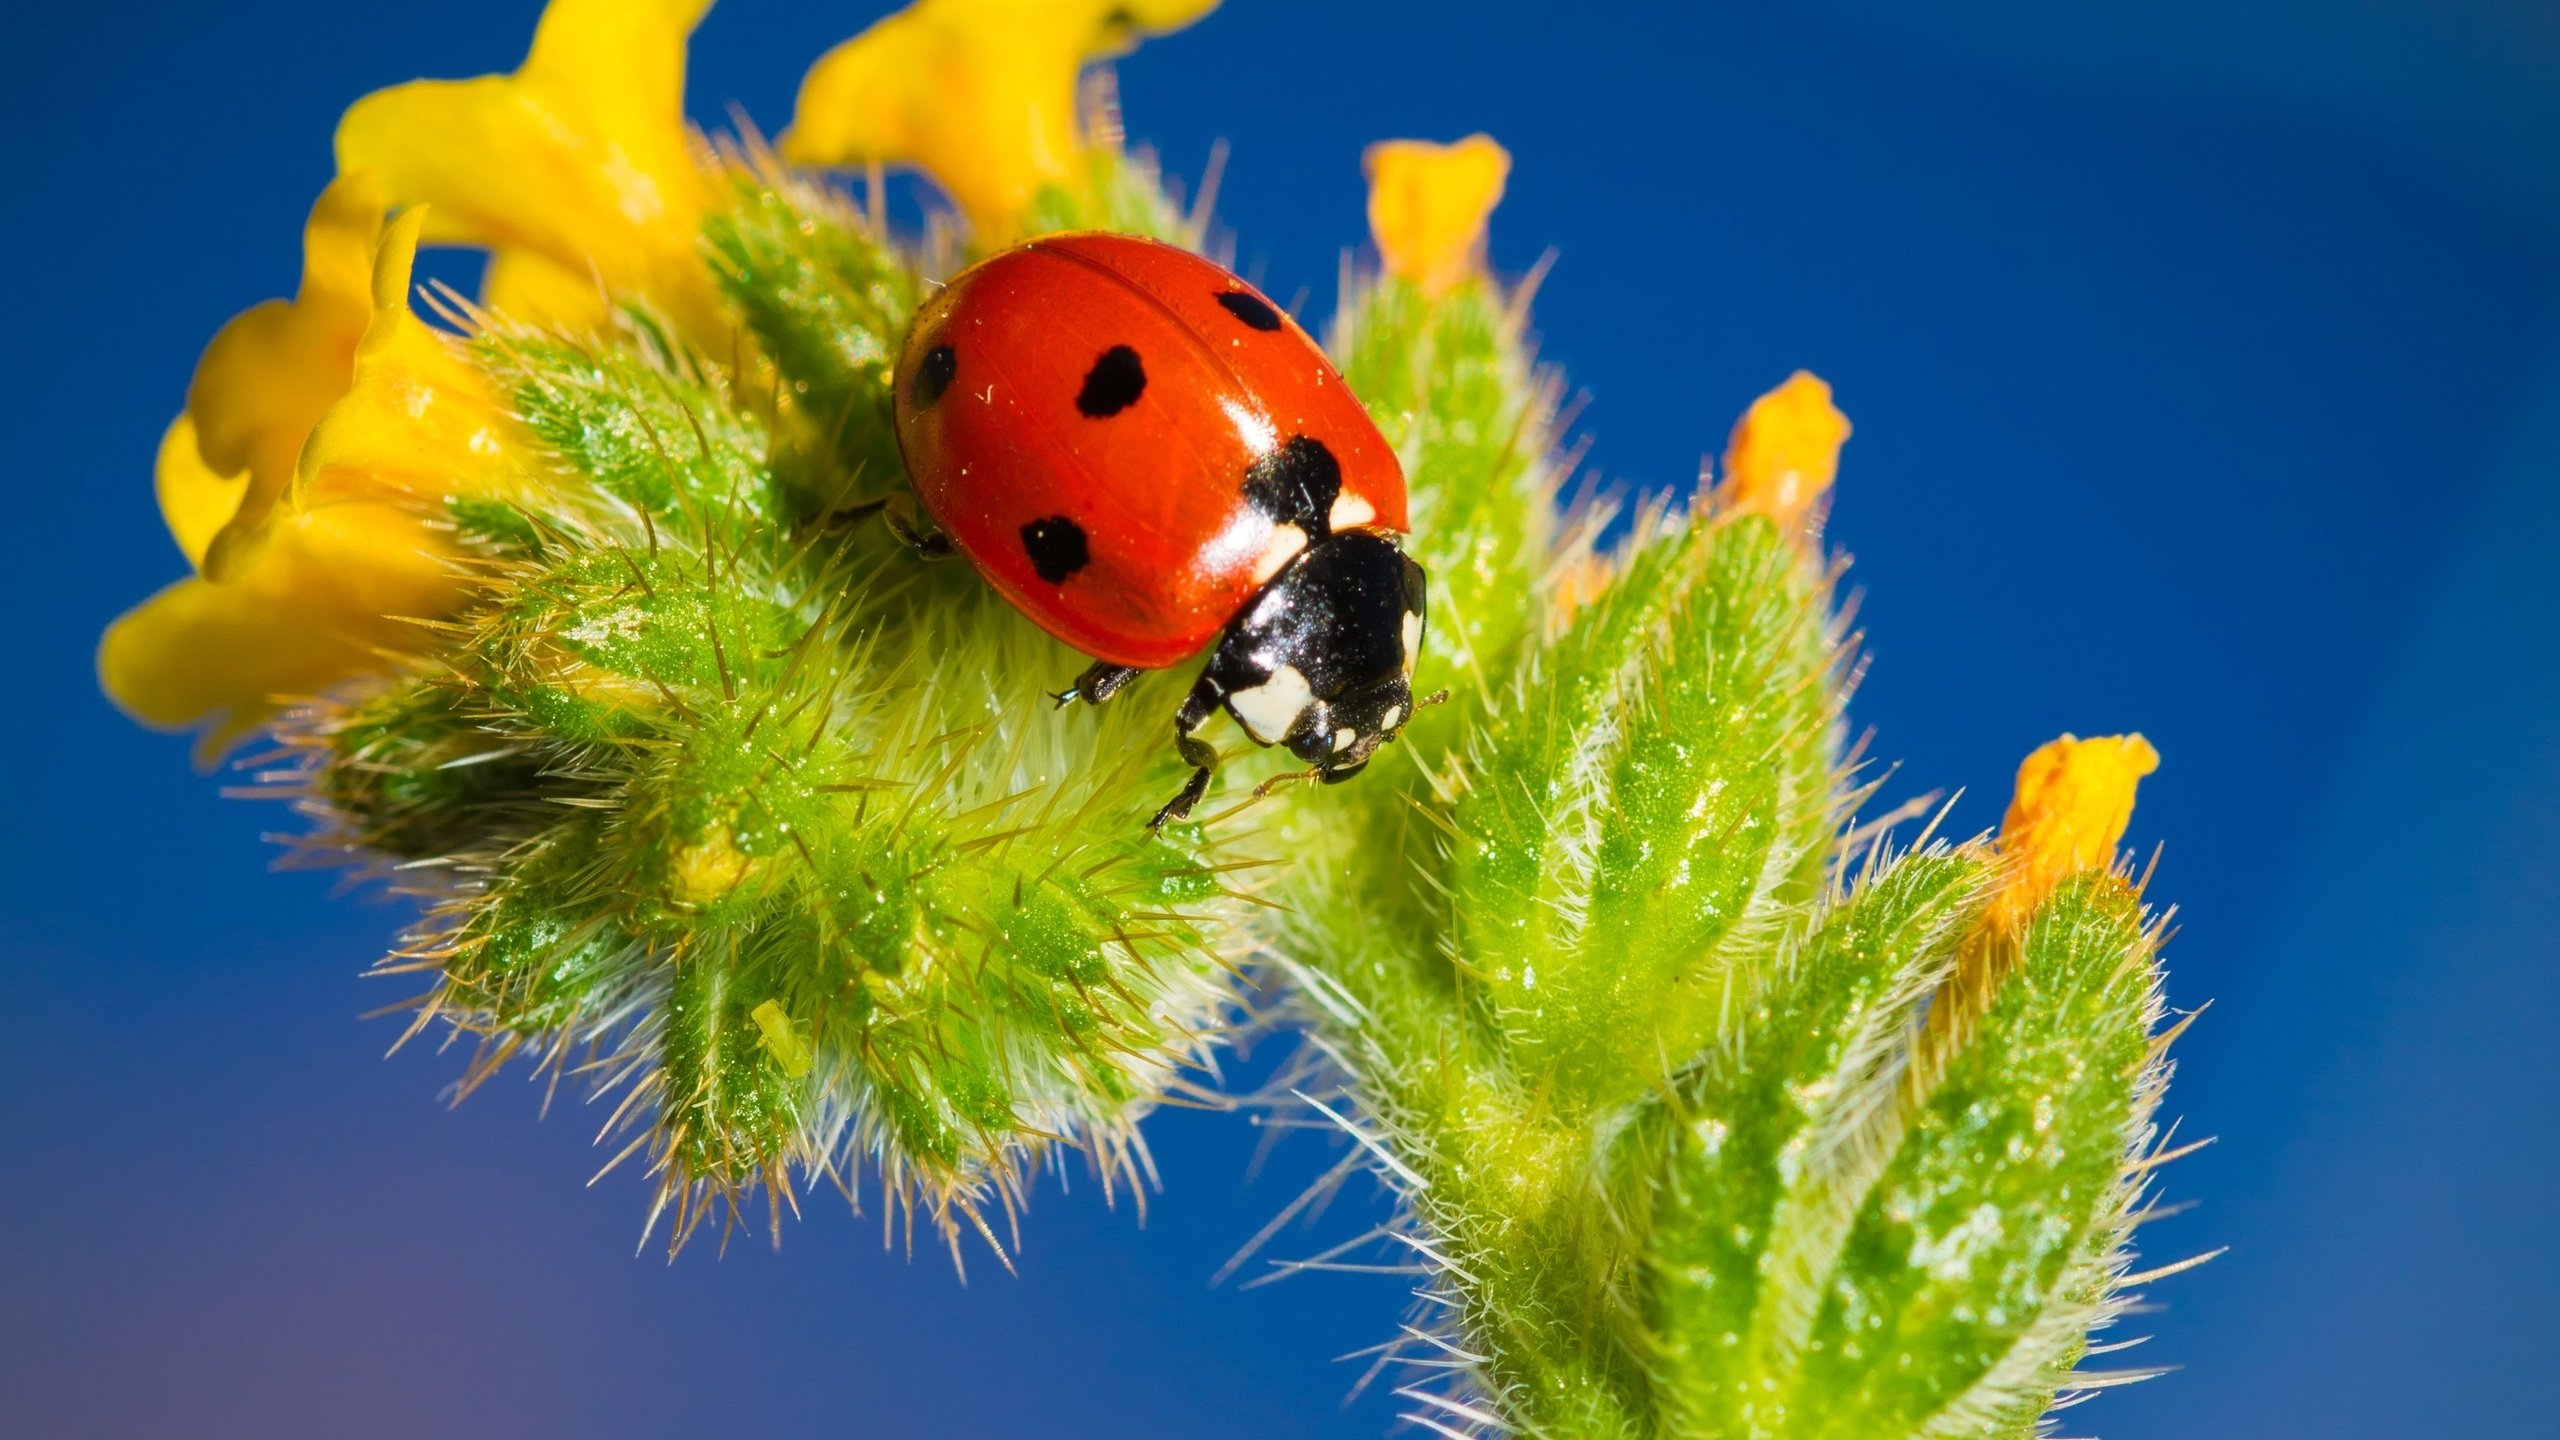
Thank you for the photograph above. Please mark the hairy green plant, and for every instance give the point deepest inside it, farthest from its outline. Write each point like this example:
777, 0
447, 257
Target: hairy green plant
1711, 1114
1711, 1110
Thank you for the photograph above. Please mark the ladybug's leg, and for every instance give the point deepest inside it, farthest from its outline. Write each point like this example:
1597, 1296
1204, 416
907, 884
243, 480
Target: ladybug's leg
1100, 681
911, 529
845, 517
1196, 709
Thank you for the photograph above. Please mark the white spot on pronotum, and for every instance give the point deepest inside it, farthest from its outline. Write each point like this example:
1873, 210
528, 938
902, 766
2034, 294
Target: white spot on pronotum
1393, 718
1286, 542
1343, 737
1412, 637
1350, 512
1269, 709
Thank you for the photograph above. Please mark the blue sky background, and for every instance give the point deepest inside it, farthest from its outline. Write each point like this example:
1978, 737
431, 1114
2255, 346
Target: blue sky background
2205, 363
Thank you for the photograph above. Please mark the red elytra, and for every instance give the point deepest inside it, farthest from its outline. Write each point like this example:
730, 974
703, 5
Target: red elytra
1097, 421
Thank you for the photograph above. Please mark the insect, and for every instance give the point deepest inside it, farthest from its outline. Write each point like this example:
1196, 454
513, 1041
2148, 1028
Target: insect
1143, 455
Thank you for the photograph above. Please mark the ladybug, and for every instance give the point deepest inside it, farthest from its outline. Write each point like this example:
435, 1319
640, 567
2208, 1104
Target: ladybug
1143, 454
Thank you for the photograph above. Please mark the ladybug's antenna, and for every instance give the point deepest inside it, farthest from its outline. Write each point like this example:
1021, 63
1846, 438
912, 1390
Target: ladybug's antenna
1436, 697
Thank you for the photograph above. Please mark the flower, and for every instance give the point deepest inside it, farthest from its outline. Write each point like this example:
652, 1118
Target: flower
319, 435
979, 94
577, 171
1785, 452
2073, 802
1428, 204
265, 381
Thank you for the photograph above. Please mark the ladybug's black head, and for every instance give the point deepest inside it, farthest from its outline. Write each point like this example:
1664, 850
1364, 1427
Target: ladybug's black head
1322, 660
1342, 734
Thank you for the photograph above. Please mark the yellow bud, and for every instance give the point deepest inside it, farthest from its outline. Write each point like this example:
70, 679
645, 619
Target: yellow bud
782, 1040
1428, 204
2074, 799
1785, 452
708, 870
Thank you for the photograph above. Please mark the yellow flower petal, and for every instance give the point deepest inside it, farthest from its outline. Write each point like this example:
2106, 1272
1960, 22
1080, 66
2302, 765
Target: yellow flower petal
418, 418
271, 371
980, 94
530, 286
1785, 452
318, 607
317, 585
2073, 802
1428, 204
581, 157
195, 501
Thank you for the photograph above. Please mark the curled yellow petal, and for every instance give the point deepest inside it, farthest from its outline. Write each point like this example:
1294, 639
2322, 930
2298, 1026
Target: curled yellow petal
418, 418
1428, 204
979, 94
1785, 452
581, 158
2073, 802
269, 374
317, 583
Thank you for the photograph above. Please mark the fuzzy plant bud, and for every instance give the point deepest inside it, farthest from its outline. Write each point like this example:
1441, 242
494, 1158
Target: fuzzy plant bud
1449, 380
1849, 1243
823, 905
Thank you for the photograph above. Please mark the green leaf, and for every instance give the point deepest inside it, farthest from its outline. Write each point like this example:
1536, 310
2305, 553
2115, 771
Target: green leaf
1774, 1142
1974, 1269
1657, 780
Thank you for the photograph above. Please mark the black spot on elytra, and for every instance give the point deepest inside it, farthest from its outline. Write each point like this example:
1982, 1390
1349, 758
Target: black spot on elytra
1056, 547
934, 375
1113, 384
1296, 485
1248, 307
